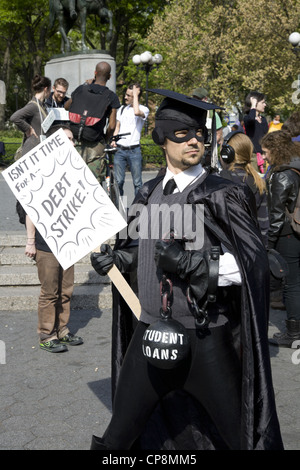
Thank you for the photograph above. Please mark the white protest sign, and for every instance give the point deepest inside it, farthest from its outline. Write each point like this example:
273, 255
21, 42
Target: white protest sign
59, 114
63, 198
48, 121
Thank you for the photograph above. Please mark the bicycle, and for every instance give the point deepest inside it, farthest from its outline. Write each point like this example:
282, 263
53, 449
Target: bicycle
110, 184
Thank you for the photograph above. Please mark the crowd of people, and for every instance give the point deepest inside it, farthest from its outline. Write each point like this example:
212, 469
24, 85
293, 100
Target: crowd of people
209, 292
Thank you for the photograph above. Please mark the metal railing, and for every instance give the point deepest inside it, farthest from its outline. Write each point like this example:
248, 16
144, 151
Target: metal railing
10, 148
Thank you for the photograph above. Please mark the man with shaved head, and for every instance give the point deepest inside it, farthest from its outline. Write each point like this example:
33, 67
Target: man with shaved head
92, 109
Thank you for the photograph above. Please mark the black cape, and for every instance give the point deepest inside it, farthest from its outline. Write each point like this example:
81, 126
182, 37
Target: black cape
178, 423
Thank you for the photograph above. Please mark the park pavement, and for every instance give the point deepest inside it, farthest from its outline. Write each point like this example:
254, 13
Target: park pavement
57, 401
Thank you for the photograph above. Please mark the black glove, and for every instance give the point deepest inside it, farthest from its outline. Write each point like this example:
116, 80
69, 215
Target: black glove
102, 262
171, 257
167, 255
125, 260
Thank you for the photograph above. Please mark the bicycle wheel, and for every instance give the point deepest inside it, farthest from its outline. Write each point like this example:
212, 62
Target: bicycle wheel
106, 185
114, 190
106, 179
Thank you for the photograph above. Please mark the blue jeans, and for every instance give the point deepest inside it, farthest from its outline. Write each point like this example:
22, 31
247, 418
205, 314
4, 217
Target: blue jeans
134, 159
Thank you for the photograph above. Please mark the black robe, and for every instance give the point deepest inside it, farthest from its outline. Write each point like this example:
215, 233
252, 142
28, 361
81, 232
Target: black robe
178, 423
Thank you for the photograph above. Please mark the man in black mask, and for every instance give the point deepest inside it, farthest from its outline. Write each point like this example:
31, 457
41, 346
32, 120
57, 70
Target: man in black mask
196, 374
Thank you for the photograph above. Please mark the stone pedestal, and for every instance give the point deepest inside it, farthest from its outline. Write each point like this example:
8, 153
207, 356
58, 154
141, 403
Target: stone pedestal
77, 67
2, 104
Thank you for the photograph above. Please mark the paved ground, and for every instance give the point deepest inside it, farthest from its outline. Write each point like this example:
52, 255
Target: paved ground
54, 401
57, 401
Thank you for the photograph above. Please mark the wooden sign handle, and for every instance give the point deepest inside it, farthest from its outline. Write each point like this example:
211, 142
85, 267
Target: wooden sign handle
125, 290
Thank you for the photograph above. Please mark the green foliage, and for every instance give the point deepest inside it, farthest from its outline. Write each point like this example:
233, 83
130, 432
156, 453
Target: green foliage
12, 139
27, 42
153, 156
230, 47
11, 135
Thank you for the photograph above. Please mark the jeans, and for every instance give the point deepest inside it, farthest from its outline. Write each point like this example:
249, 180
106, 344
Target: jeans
289, 247
132, 157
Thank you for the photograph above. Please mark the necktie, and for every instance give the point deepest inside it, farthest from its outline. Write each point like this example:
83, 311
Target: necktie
170, 186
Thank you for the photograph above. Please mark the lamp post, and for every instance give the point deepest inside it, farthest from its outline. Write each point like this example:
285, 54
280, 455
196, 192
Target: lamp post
294, 39
146, 61
16, 92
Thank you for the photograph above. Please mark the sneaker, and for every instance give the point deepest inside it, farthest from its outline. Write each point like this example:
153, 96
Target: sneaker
277, 305
72, 340
53, 346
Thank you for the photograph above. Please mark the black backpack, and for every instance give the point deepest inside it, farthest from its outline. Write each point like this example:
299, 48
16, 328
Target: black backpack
88, 111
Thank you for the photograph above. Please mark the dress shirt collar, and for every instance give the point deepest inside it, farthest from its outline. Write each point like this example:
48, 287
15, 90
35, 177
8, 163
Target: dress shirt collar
184, 178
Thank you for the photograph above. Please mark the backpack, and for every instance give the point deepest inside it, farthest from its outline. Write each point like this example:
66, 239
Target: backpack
294, 217
88, 111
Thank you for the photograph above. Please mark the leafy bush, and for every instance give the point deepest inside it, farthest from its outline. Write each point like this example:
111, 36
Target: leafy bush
152, 154
12, 139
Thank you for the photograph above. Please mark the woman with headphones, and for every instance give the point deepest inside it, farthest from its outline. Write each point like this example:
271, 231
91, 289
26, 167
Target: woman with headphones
235, 158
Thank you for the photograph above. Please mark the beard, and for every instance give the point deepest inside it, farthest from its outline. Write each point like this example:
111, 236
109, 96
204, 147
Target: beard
191, 159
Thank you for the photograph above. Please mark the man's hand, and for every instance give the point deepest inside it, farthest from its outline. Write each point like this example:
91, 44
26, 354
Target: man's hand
102, 262
171, 257
125, 260
136, 91
253, 102
168, 254
30, 249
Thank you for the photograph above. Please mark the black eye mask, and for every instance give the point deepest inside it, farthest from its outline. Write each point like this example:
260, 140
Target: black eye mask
170, 127
192, 132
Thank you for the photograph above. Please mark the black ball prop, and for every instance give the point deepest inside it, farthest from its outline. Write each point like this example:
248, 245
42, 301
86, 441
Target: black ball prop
165, 343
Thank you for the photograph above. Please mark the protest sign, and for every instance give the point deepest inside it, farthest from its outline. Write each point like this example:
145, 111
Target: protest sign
63, 198
59, 114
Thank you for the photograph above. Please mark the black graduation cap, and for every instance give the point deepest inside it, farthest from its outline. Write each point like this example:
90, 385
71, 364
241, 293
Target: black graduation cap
185, 109
176, 105
173, 95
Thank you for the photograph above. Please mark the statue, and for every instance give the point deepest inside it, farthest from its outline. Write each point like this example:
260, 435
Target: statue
67, 11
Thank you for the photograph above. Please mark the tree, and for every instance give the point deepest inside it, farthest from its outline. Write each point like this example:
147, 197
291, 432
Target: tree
132, 21
25, 43
230, 46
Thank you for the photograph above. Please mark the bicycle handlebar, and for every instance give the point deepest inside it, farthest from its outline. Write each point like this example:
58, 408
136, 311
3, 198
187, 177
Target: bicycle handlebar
108, 149
118, 137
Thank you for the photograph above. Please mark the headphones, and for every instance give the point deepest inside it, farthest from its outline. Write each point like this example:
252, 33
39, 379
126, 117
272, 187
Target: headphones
227, 152
158, 135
